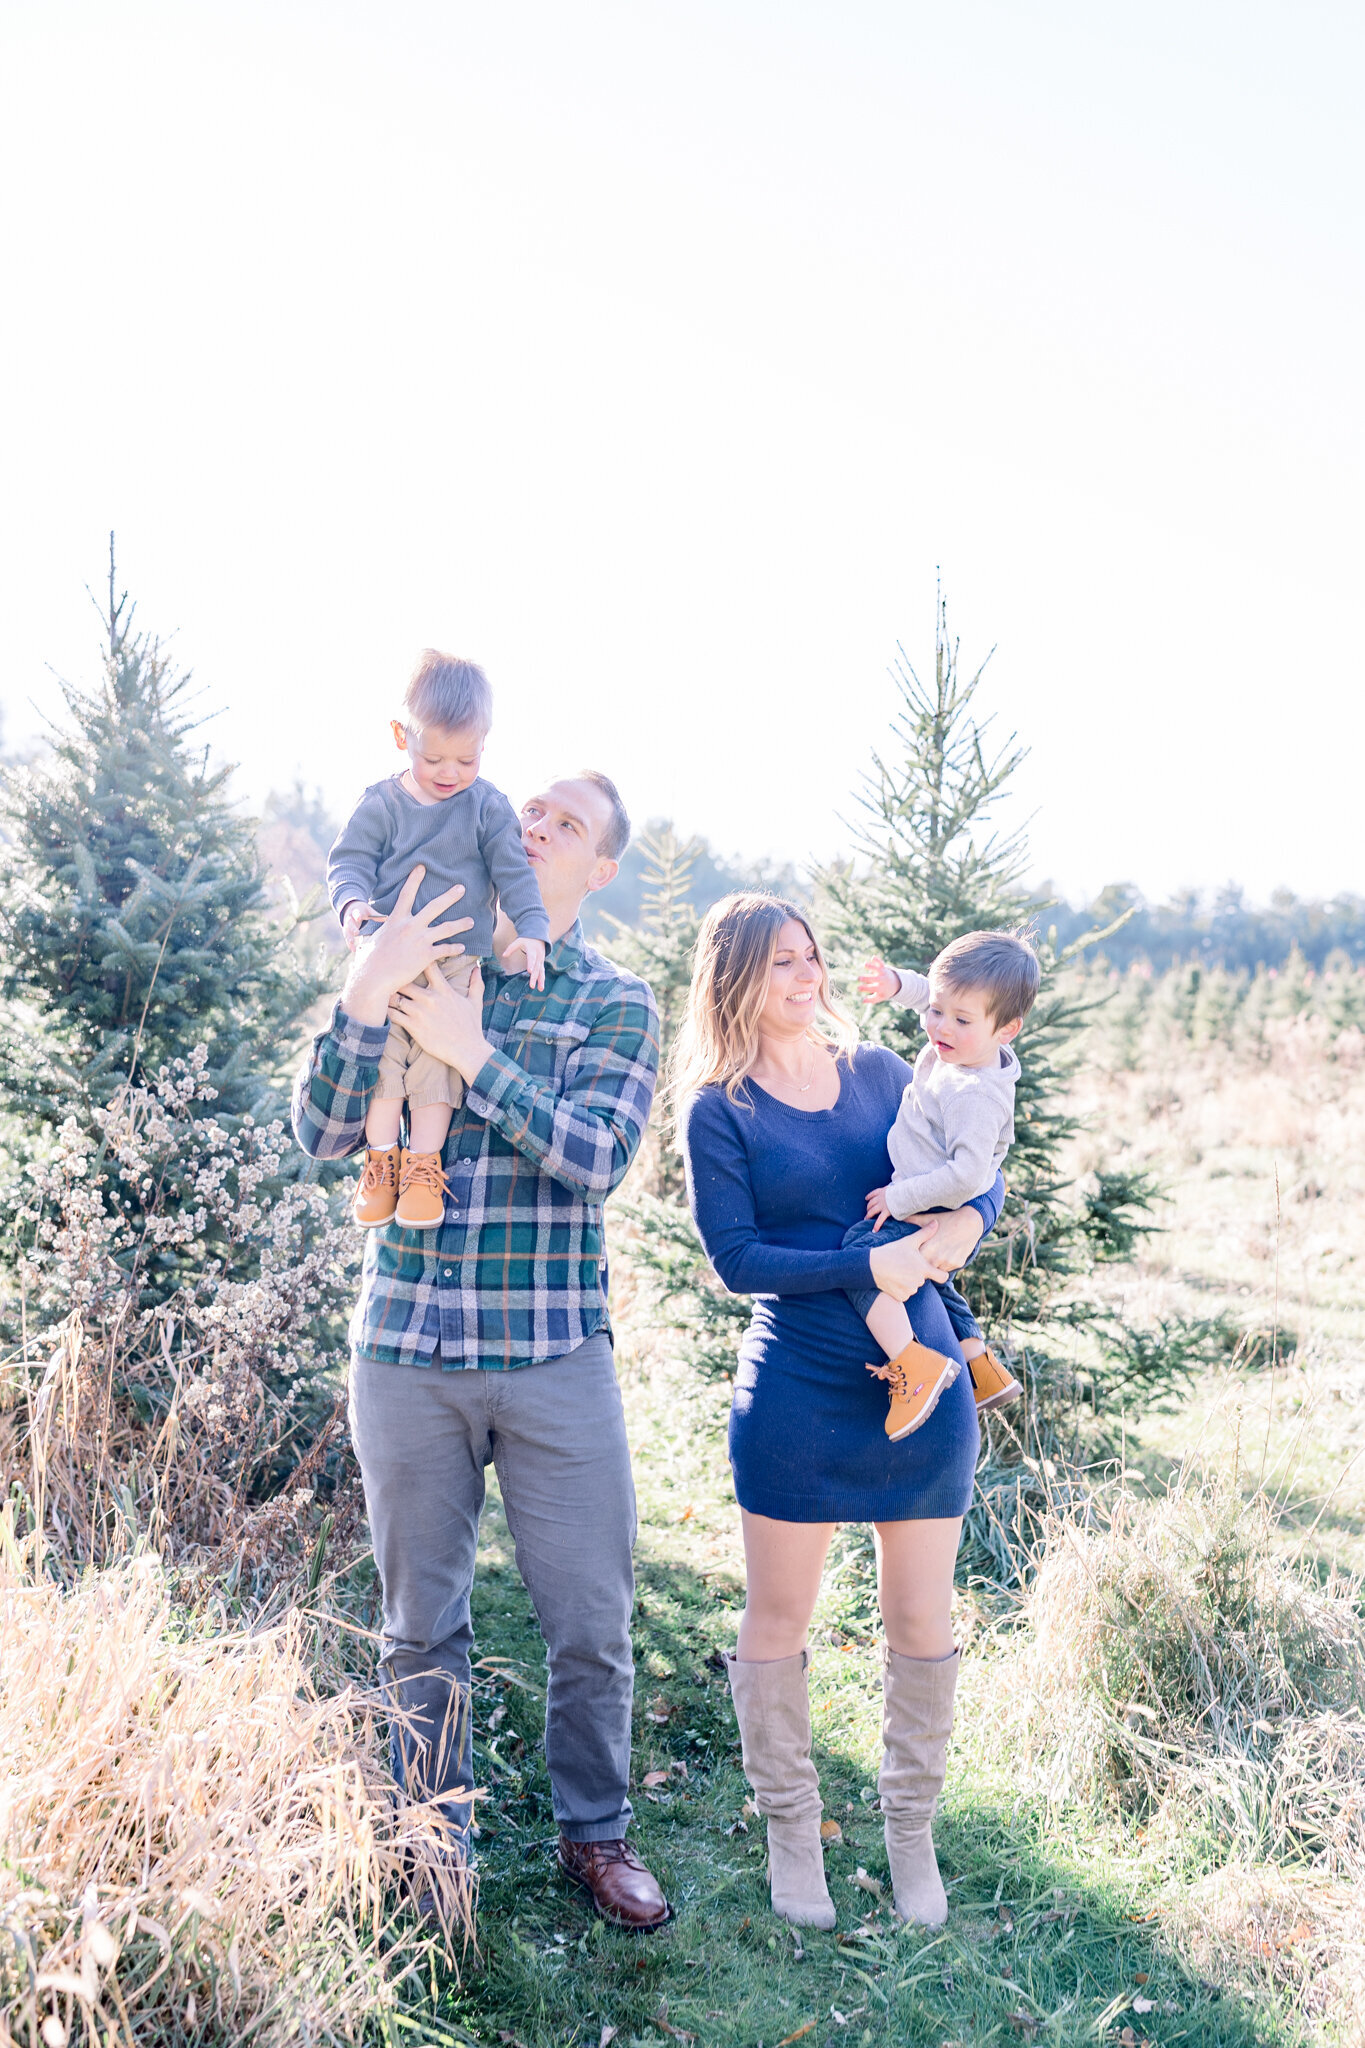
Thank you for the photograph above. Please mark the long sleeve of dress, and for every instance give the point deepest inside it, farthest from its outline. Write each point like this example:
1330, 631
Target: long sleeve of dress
722, 1201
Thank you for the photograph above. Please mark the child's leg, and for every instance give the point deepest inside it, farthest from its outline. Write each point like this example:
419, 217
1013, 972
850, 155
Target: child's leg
382, 1122
966, 1328
890, 1325
428, 1124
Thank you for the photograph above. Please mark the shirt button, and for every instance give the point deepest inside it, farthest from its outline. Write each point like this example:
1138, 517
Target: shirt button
446, 1272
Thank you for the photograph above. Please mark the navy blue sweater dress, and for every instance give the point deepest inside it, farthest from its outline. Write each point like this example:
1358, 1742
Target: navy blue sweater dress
773, 1189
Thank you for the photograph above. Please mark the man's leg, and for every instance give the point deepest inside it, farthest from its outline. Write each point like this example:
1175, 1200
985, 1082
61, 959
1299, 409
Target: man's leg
560, 1450
559, 1445
421, 1436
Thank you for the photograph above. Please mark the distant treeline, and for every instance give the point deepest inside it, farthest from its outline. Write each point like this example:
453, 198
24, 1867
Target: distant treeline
1227, 932
297, 830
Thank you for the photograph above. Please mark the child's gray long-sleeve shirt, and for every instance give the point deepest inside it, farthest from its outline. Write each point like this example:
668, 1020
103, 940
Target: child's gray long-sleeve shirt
954, 1127
472, 837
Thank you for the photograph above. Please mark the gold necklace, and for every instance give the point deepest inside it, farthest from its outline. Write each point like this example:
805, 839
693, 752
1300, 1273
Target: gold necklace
804, 1087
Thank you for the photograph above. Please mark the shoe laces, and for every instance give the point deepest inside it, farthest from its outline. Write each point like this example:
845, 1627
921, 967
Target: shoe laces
608, 1852
424, 1170
381, 1170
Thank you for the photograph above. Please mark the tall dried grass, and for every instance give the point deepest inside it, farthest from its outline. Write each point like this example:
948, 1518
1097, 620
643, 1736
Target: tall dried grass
1179, 1668
196, 1844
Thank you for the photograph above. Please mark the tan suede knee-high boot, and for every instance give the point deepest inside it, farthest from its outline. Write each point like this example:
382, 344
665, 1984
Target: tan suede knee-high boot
772, 1706
917, 1719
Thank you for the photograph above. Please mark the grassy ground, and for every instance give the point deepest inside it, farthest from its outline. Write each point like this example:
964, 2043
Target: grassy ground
1050, 1939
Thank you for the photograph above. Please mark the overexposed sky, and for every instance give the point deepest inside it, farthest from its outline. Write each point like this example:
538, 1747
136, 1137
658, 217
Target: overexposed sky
656, 354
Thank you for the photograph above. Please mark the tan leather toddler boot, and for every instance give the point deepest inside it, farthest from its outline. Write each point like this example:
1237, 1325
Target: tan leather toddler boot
992, 1383
918, 1376
421, 1191
376, 1198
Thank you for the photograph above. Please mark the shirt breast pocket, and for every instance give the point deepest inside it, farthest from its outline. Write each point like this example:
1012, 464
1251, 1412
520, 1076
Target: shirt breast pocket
547, 1046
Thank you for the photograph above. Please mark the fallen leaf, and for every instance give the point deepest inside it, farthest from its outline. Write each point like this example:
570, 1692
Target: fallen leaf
679, 1766
866, 1883
1139, 1976
749, 1810
801, 2032
660, 2021
1144, 2005
1128, 2039
1024, 2023
830, 1831
607, 2034
738, 1827
656, 1777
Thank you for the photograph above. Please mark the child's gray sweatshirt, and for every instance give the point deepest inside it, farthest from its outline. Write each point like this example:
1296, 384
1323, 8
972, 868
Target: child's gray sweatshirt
954, 1127
472, 837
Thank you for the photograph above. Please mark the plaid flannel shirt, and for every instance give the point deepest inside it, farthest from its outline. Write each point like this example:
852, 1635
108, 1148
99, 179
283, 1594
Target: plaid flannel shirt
514, 1274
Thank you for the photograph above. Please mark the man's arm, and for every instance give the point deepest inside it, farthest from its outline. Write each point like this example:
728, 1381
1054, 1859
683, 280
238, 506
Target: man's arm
332, 1093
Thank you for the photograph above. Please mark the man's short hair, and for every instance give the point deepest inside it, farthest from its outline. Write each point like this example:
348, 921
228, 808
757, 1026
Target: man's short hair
616, 838
1002, 966
447, 695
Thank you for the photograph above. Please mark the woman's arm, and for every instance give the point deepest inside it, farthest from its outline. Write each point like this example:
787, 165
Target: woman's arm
722, 1201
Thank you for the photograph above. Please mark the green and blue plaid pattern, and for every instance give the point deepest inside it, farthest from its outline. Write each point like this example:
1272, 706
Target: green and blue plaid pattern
549, 1126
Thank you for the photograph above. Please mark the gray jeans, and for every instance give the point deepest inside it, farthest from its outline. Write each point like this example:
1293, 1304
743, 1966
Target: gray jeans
556, 1437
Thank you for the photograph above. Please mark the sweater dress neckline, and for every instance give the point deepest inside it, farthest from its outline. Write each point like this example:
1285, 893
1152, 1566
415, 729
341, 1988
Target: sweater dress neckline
833, 1109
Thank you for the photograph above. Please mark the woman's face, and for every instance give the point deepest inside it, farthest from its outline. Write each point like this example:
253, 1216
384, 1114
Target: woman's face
793, 983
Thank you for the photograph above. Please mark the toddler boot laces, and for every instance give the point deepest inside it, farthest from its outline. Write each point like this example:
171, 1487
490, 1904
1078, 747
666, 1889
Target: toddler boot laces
917, 1376
377, 1196
422, 1189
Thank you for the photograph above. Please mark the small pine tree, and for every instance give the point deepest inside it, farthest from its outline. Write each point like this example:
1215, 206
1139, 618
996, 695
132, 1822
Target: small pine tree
134, 919
927, 868
659, 949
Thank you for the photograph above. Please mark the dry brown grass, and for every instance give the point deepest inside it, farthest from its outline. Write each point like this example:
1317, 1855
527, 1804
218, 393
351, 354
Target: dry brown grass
198, 1843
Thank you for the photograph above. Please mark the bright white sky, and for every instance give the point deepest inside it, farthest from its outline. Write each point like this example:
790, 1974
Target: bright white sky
655, 353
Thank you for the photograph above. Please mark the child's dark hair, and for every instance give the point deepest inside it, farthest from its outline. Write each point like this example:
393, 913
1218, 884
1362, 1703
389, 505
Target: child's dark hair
446, 694
1002, 966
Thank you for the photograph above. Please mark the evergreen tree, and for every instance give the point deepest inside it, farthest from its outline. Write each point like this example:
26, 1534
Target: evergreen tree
659, 949
134, 919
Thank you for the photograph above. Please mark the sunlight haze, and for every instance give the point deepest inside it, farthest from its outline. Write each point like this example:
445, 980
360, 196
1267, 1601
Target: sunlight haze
657, 357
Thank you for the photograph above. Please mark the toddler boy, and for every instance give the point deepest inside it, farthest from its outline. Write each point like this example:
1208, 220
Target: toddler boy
954, 1127
439, 814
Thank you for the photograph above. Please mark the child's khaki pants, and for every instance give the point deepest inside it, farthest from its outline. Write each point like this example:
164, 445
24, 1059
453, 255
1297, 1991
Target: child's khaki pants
406, 1072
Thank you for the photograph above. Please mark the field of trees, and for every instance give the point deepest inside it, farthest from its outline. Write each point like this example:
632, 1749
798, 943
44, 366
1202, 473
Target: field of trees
1152, 1830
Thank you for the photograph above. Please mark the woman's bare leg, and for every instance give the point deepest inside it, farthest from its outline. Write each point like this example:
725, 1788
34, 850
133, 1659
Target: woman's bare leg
915, 1562
783, 1564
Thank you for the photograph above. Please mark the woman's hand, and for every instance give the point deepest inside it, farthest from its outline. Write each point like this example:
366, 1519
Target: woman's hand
445, 1021
956, 1235
877, 982
404, 946
901, 1269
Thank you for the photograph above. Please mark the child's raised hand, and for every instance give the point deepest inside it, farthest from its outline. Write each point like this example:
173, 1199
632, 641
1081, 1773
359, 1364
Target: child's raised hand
353, 917
533, 953
878, 1206
877, 982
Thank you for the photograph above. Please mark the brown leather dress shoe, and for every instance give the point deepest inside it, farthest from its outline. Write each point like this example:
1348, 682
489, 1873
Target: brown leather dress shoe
623, 1891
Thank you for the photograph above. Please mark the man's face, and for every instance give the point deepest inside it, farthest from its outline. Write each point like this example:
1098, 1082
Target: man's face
561, 830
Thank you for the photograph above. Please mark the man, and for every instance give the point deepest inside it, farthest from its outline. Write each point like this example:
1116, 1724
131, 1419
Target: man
488, 1338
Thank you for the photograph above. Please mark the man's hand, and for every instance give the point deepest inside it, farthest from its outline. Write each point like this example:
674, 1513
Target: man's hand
878, 1206
353, 917
445, 1022
403, 947
532, 952
956, 1235
877, 982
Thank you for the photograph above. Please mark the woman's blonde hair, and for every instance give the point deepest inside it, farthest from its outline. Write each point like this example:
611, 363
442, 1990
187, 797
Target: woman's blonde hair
717, 1041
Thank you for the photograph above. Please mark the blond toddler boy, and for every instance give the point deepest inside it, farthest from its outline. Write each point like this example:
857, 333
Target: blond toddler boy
439, 814
953, 1130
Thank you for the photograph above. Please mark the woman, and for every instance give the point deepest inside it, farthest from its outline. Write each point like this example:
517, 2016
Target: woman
784, 1120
